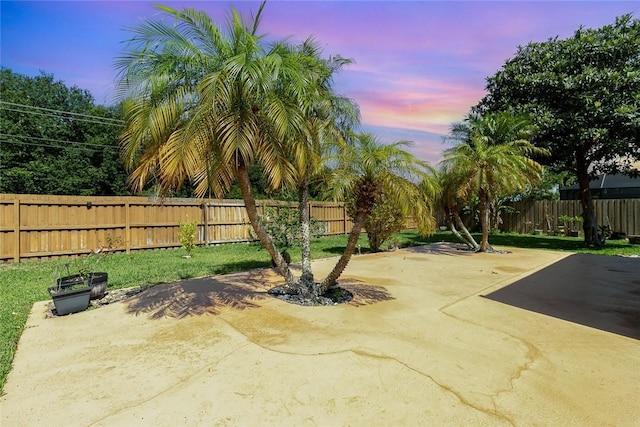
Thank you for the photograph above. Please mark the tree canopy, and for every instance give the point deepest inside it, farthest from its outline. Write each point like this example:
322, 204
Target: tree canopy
55, 140
583, 94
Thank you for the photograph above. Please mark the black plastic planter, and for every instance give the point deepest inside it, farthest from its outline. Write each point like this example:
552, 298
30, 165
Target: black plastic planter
71, 297
97, 281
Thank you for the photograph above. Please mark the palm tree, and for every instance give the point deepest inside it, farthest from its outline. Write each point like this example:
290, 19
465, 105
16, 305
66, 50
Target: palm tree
492, 158
202, 104
450, 203
327, 118
367, 169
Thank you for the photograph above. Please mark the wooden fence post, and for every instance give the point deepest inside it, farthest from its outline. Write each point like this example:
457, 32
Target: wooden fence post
127, 227
344, 218
16, 229
205, 219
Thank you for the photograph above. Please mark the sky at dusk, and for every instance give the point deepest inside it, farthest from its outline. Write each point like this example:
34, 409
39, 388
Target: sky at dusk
419, 65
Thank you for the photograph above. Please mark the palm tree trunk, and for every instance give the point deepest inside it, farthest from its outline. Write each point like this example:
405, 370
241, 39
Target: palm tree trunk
252, 211
455, 231
352, 241
484, 219
306, 279
464, 229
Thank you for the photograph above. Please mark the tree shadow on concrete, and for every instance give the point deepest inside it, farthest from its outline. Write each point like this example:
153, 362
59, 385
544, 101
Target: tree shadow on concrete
207, 295
364, 294
441, 248
598, 291
238, 291
339, 250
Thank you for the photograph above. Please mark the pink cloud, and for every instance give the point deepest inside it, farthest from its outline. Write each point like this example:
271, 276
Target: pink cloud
417, 103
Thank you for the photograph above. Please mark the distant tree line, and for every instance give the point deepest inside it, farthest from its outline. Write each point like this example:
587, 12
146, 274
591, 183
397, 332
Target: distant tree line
55, 140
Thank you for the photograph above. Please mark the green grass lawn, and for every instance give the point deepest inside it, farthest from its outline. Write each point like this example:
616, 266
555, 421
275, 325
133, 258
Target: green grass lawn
528, 241
21, 285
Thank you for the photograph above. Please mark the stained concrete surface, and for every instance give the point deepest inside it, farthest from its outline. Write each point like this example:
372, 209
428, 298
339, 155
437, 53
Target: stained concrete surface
435, 336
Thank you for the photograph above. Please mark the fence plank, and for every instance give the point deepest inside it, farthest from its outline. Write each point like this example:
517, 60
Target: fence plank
16, 231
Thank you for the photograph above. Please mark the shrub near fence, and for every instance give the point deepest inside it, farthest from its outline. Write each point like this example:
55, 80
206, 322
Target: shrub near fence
45, 227
620, 214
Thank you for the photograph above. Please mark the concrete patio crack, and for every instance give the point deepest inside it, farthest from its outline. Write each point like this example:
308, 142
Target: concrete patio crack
442, 386
181, 381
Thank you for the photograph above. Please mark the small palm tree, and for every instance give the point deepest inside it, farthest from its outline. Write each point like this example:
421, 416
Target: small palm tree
367, 169
203, 104
492, 158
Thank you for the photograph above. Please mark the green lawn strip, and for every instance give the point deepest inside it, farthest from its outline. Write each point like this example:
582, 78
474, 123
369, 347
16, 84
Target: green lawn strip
527, 241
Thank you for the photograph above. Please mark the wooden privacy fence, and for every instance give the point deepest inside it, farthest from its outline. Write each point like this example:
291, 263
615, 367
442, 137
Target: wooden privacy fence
44, 227
621, 214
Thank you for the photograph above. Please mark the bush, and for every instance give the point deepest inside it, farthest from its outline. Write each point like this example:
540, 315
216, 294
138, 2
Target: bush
385, 219
283, 226
187, 235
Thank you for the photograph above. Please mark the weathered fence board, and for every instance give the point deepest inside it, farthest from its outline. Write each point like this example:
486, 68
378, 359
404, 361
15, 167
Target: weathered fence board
620, 214
43, 226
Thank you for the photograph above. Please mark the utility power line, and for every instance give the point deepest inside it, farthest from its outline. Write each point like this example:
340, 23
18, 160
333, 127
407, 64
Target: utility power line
57, 140
4, 141
59, 117
62, 112
49, 112
53, 113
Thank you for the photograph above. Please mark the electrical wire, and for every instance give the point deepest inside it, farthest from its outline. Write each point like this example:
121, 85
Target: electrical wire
53, 113
59, 117
99, 118
56, 140
110, 147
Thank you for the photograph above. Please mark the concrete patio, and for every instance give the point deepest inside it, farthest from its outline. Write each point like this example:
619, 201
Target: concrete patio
435, 336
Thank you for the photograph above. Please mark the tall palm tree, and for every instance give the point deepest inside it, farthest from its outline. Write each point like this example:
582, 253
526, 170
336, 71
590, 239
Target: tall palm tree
492, 157
327, 118
367, 169
202, 104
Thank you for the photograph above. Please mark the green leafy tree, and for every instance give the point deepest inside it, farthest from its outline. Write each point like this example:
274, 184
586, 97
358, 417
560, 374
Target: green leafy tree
187, 234
492, 157
548, 188
283, 225
258, 184
55, 140
583, 93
